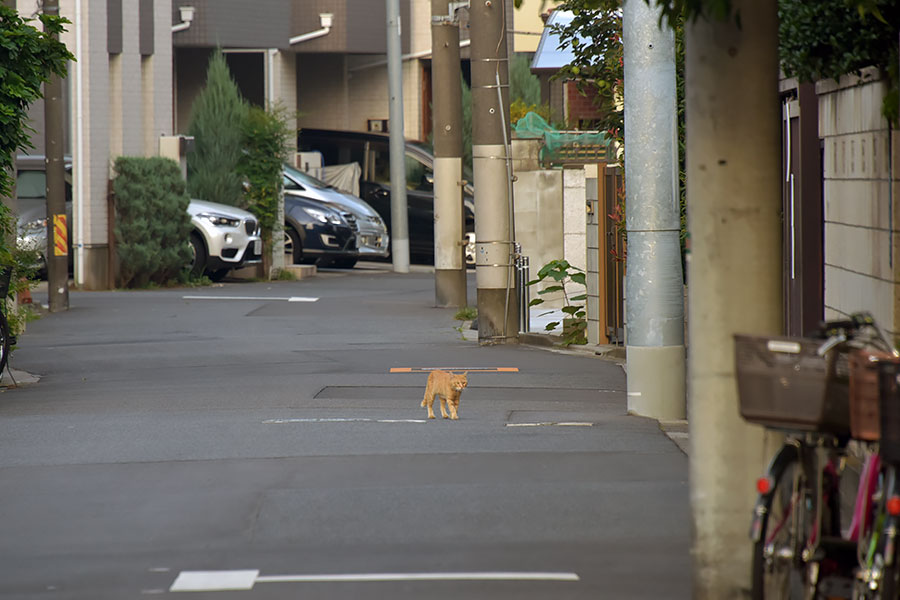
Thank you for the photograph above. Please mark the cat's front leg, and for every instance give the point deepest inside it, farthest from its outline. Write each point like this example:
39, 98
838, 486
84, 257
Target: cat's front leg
444, 404
454, 410
429, 402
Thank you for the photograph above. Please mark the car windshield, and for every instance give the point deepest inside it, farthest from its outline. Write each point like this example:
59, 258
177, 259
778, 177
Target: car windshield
299, 178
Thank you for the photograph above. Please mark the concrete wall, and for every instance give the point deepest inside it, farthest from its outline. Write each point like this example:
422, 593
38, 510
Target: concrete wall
862, 199
538, 210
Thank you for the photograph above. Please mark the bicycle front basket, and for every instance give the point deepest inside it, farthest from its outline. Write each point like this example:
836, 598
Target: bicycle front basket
783, 383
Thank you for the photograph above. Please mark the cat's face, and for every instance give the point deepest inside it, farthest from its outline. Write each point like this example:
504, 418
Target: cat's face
458, 382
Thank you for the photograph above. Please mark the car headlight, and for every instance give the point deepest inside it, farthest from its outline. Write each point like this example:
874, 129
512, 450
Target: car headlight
220, 220
323, 216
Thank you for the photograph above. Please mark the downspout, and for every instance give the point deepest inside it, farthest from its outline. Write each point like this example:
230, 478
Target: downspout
325, 19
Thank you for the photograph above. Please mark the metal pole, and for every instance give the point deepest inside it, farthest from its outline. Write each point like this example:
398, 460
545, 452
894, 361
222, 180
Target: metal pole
494, 257
449, 253
735, 273
57, 251
653, 279
399, 215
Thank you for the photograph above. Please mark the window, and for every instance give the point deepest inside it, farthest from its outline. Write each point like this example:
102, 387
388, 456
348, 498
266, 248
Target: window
31, 184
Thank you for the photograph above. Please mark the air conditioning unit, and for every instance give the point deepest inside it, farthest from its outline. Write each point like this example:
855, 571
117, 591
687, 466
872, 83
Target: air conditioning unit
378, 125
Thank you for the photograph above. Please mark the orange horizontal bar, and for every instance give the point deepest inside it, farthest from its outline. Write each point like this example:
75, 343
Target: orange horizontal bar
401, 370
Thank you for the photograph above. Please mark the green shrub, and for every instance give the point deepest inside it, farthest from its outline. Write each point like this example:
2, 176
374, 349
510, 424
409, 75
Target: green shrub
152, 224
217, 121
265, 144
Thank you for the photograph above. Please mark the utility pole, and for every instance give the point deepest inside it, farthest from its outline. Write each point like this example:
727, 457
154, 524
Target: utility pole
449, 253
498, 314
654, 286
57, 252
734, 275
399, 215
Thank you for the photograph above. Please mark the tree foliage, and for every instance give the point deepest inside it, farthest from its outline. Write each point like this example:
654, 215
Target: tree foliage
595, 38
28, 57
152, 223
217, 121
828, 38
264, 144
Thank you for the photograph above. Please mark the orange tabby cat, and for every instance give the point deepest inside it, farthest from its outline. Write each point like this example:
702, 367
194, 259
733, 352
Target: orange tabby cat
447, 386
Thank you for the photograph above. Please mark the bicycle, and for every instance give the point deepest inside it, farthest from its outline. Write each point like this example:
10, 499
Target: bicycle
800, 386
6, 338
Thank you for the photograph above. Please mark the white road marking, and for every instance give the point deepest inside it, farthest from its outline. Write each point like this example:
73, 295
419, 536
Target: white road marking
220, 581
255, 298
552, 424
487, 576
214, 581
341, 420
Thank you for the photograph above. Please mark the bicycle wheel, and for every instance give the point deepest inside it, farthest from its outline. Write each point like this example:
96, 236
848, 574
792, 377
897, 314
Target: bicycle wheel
4, 343
778, 567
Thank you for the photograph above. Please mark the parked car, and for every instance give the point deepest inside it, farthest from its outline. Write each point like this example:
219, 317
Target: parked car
223, 238
31, 206
372, 152
372, 239
314, 232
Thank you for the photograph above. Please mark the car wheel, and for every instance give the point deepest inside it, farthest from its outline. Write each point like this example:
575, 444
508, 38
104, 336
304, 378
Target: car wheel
344, 263
293, 249
198, 255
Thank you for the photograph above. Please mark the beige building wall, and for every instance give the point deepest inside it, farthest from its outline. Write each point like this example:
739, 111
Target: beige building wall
157, 80
281, 87
527, 18
862, 199
118, 105
348, 102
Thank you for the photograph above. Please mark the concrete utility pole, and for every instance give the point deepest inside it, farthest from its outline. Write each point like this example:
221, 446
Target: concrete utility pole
399, 215
449, 226
498, 314
654, 286
734, 274
57, 226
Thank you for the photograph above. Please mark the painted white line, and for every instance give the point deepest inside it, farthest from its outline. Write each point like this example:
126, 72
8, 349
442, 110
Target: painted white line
220, 581
254, 298
681, 435
356, 577
214, 581
340, 420
551, 424
634, 394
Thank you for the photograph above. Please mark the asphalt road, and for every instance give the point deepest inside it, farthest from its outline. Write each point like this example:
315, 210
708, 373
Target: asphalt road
248, 438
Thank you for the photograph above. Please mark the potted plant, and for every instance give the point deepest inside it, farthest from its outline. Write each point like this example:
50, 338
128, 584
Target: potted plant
574, 327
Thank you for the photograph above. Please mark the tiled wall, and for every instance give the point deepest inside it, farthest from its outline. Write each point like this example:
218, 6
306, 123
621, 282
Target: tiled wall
861, 196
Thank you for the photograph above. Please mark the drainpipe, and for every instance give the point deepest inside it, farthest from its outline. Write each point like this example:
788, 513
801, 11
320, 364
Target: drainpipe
187, 15
325, 19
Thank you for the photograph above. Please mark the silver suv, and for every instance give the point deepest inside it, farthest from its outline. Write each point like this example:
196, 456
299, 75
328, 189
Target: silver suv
224, 238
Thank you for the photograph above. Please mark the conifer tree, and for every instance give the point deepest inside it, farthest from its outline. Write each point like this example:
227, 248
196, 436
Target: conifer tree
217, 120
